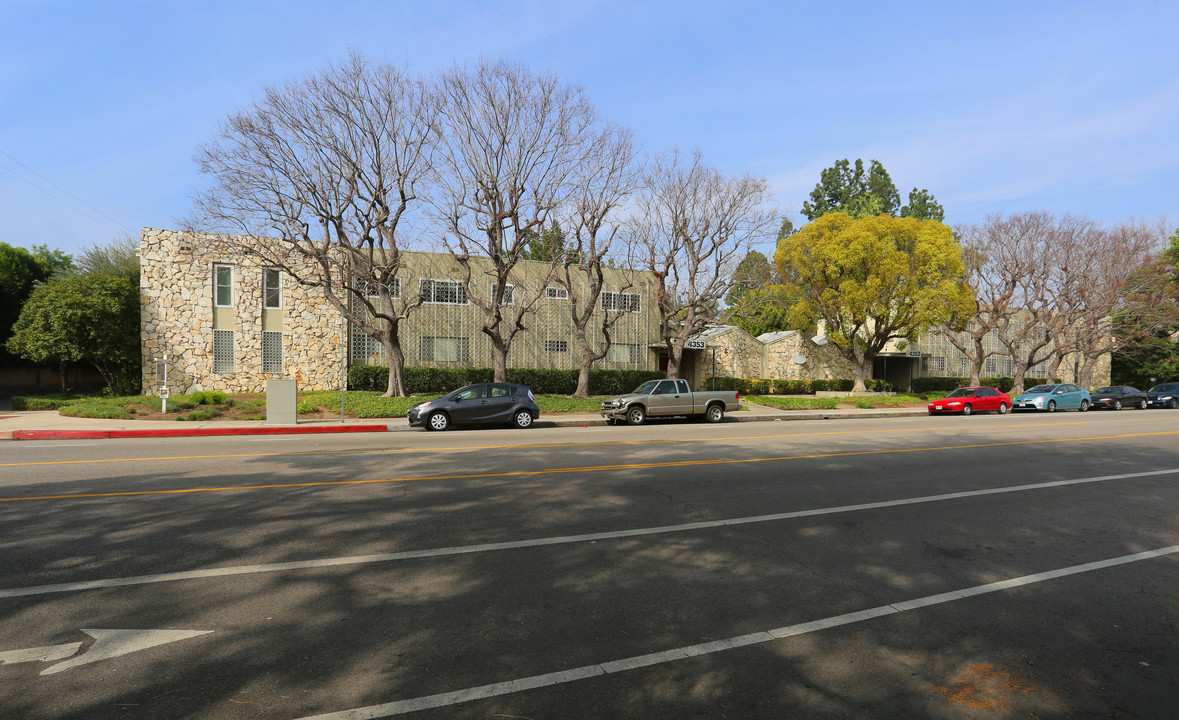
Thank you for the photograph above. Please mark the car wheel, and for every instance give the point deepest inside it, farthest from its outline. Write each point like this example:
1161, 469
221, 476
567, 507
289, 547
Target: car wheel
966, 409
1141, 404
636, 416
1051, 406
1002, 408
714, 414
1084, 405
438, 421
1117, 405
522, 419
1171, 404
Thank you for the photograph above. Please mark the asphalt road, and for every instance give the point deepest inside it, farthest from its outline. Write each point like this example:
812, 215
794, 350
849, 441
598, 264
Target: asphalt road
981, 567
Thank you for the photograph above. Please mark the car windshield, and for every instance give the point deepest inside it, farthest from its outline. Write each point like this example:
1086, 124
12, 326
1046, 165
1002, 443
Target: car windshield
962, 392
1040, 389
646, 387
1169, 387
1108, 390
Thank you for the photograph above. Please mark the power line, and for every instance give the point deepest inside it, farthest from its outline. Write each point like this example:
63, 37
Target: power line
67, 192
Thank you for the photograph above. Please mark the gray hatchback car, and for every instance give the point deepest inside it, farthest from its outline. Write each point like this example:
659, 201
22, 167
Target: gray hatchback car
478, 404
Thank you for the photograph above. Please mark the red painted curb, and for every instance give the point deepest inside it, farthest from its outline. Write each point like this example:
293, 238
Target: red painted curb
188, 432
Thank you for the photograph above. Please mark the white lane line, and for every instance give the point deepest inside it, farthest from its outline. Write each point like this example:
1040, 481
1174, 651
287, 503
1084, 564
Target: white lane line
482, 692
217, 572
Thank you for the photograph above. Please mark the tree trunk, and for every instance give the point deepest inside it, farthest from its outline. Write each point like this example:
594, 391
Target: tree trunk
395, 359
861, 369
587, 361
1085, 375
674, 359
976, 362
1021, 371
1054, 367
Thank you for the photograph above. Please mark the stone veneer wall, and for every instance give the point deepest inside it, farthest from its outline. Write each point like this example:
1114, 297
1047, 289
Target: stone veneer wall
823, 362
176, 315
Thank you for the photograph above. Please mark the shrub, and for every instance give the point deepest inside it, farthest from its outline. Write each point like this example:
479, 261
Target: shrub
865, 405
304, 406
545, 382
206, 413
208, 397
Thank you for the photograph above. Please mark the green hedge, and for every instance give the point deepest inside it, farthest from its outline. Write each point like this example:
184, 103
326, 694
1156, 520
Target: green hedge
748, 386
938, 384
542, 382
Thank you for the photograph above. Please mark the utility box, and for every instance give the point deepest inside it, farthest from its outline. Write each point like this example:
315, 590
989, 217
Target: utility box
281, 406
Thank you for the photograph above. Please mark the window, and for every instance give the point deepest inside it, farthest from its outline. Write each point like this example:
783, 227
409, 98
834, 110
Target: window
446, 349
372, 294
364, 347
992, 366
509, 294
474, 392
502, 391
623, 353
556, 293
223, 285
622, 302
556, 346
271, 289
271, 351
222, 351
445, 292
933, 364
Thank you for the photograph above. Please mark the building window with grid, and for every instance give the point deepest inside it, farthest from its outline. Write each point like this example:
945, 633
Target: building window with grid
992, 366
556, 346
446, 349
223, 351
223, 285
556, 293
933, 364
271, 351
509, 295
443, 292
623, 353
622, 302
365, 348
272, 289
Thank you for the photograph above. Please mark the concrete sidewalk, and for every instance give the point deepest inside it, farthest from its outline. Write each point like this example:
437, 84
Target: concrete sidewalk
49, 425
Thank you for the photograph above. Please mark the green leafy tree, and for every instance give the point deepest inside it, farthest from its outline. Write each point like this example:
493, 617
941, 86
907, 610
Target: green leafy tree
868, 281
861, 192
754, 271
20, 271
922, 206
765, 309
91, 318
546, 246
54, 261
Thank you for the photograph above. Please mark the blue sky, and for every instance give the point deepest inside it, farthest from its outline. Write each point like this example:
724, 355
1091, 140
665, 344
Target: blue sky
1070, 107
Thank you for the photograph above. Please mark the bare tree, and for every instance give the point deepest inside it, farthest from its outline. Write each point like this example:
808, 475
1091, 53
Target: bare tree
600, 185
692, 228
510, 143
330, 167
1123, 297
1026, 326
993, 285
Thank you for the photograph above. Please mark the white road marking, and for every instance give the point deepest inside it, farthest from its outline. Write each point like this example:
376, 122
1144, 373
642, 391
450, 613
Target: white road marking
47, 653
540, 542
107, 644
401, 707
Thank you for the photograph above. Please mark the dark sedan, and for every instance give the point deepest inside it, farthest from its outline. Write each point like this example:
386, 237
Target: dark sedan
1165, 395
1116, 397
478, 404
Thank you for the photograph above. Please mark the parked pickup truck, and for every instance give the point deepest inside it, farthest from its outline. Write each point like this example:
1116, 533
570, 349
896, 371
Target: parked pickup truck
669, 398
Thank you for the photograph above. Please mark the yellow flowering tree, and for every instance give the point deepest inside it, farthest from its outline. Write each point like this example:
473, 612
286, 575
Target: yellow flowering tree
871, 280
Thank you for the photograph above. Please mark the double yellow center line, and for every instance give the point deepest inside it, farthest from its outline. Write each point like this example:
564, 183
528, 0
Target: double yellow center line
581, 469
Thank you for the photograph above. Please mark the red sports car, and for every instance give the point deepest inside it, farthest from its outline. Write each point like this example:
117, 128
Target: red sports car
969, 400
